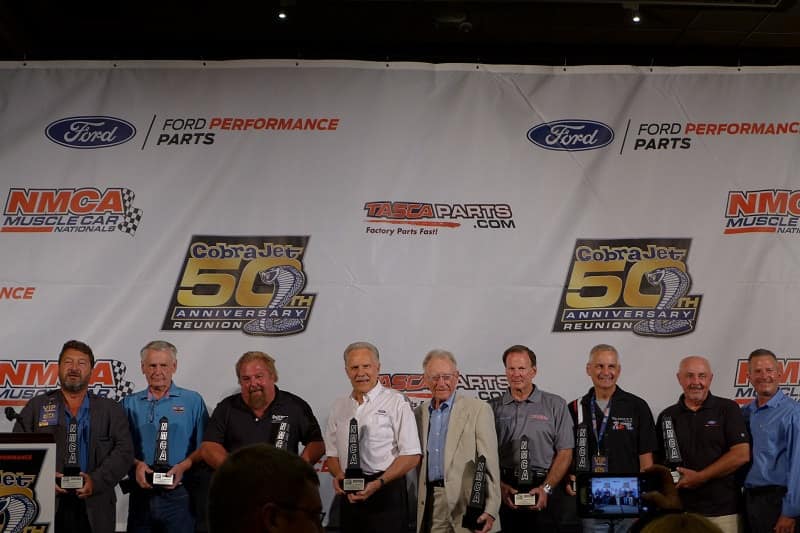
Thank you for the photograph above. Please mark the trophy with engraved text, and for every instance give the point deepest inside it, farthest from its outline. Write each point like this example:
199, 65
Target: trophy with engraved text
280, 435
672, 450
523, 498
477, 497
354, 480
161, 465
71, 479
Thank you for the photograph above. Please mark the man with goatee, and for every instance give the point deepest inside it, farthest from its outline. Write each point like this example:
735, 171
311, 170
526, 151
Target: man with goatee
250, 417
100, 430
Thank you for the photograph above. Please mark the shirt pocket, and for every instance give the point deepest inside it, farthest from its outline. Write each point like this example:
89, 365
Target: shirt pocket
380, 428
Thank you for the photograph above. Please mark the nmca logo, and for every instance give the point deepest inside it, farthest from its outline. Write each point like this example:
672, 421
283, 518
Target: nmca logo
483, 386
70, 210
788, 379
763, 211
21, 380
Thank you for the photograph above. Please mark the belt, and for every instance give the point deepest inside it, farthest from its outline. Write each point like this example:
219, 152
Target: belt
765, 489
508, 475
436, 483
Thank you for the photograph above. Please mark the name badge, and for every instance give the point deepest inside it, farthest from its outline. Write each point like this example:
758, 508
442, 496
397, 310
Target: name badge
48, 415
599, 464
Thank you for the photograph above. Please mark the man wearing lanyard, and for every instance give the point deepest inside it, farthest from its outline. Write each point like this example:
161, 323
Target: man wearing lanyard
772, 486
621, 436
525, 410
388, 446
99, 428
163, 405
454, 431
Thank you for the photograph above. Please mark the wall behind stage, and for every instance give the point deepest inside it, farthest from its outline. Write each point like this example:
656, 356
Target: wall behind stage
296, 207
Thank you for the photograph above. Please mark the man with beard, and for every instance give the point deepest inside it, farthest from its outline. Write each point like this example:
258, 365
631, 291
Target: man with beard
713, 443
183, 412
252, 416
772, 486
100, 429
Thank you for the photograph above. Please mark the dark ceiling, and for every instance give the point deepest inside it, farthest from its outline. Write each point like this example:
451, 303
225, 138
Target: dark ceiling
754, 32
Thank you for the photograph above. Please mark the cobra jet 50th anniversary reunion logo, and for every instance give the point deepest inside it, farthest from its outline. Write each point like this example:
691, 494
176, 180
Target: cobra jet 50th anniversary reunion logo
252, 284
641, 285
19, 502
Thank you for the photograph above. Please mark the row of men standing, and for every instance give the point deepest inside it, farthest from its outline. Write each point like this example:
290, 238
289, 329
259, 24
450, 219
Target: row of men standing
448, 433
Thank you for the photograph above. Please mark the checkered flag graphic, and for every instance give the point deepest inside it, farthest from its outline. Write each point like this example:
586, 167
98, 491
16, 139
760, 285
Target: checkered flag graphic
122, 387
132, 215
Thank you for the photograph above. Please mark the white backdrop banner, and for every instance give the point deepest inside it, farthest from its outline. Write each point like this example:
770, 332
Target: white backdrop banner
295, 207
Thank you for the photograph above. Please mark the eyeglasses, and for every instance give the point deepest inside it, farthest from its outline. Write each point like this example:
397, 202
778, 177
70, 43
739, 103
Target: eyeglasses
441, 377
317, 516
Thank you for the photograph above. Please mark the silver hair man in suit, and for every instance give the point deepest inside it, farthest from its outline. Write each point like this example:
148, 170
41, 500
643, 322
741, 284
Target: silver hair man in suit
454, 431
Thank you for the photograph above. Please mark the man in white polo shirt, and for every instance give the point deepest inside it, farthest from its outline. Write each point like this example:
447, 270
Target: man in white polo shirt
388, 446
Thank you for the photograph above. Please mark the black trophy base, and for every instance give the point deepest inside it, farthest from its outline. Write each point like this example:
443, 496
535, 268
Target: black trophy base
354, 481
470, 519
159, 477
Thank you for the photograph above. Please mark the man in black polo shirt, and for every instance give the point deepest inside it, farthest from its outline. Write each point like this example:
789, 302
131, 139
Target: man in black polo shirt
253, 416
621, 435
712, 443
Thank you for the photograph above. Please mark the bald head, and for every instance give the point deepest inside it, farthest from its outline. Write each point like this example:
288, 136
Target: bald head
694, 375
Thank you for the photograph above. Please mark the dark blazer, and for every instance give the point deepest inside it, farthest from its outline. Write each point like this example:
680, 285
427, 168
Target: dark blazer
110, 450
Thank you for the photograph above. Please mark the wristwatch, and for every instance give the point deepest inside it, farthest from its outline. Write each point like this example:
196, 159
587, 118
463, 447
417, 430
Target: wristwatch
547, 488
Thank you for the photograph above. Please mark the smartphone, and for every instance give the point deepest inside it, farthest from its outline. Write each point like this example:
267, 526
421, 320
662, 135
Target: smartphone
614, 495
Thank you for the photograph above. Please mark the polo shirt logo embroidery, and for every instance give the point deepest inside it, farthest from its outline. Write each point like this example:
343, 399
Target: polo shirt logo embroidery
279, 418
621, 424
178, 408
543, 418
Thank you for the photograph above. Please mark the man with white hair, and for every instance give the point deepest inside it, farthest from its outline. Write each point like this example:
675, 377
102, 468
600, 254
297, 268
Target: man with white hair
454, 431
163, 418
388, 446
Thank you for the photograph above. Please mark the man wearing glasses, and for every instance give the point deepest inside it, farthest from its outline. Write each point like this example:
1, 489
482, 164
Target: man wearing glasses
454, 431
246, 498
167, 424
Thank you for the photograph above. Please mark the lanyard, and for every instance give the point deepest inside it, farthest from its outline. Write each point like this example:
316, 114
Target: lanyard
598, 436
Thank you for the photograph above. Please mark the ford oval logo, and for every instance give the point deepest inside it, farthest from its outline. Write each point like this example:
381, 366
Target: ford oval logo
571, 135
90, 132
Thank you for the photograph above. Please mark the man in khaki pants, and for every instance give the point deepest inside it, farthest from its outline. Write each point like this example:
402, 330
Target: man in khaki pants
454, 431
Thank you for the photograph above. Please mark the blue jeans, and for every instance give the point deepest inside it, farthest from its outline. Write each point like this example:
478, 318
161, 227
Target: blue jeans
607, 525
167, 511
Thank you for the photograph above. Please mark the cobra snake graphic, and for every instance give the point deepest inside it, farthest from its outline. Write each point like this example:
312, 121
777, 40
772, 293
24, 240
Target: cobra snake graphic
287, 282
17, 511
674, 284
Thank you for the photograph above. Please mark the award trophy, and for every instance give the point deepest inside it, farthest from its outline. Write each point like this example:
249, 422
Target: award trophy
672, 451
353, 475
161, 465
477, 497
72, 480
280, 435
523, 498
